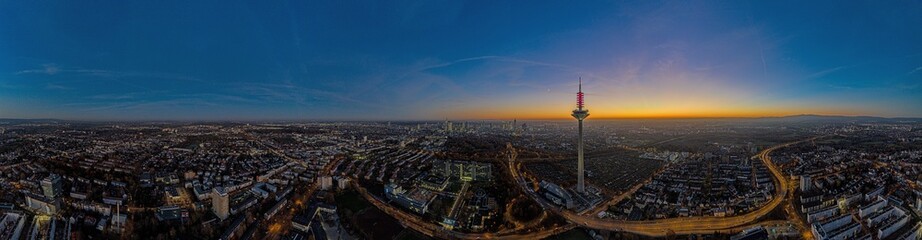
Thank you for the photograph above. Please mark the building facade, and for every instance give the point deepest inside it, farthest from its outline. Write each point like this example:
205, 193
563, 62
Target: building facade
220, 202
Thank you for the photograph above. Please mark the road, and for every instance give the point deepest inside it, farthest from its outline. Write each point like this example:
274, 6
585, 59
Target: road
679, 226
297, 200
653, 228
534, 222
665, 141
795, 217
615, 200
434, 230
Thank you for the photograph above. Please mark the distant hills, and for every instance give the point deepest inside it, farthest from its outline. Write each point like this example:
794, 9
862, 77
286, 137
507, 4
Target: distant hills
835, 118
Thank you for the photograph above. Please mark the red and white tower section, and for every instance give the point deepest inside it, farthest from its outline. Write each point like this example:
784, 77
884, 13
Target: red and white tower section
580, 113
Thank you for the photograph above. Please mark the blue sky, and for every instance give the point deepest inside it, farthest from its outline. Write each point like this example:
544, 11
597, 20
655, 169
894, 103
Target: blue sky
376, 60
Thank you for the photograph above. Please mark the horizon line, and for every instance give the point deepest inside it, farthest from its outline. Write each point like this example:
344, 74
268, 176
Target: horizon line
455, 119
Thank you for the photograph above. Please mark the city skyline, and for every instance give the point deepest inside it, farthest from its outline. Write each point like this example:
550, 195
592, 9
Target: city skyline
453, 60
463, 120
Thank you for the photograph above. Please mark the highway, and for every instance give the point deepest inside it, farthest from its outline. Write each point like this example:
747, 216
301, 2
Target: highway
434, 230
678, 226
653, 228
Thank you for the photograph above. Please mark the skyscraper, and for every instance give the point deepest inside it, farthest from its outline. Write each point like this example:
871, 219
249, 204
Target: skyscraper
580, 113
220, 202
51, 186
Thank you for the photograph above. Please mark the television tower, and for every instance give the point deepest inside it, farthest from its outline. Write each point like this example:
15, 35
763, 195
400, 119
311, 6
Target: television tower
580, 113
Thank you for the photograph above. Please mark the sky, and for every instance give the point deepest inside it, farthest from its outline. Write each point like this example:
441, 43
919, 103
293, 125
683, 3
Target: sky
434, 60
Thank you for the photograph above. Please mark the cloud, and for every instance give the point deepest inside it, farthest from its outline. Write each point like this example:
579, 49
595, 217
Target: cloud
151, 101
915, 70
148, 106
293, 93
54, 69
120, 96
56, 87
51, 69
826, 72
506, 59
493, 62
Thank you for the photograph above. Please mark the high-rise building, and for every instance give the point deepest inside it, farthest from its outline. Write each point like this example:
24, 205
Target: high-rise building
918, 203
341, 182
466, 171
326, 182
220, 202
580, 114
805, 183
51, 186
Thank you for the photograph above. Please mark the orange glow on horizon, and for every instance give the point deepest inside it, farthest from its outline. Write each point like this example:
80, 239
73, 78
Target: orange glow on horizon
666, 95
537, 113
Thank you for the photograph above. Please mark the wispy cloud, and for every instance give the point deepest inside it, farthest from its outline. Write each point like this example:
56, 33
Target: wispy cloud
515, 72
116, 96
56, 87
568, 68
292, 93
915, 70
151, 105
148, 101
57, 77
827, 72
54, 69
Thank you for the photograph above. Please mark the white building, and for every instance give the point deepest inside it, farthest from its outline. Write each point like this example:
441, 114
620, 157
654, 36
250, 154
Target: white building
806, 183
51, 186
42, 204
342, 183
326, 182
